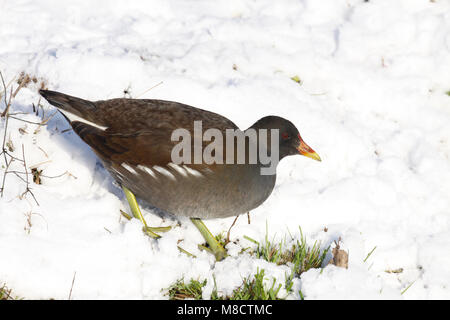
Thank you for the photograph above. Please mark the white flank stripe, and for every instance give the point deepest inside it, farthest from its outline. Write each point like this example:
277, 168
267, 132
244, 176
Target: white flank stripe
117, 172
178, 169
72, 117
126, 166
164, 172
148, 170
193, 172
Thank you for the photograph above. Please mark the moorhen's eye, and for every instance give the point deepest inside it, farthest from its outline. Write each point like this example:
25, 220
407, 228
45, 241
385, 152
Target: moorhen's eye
284, 135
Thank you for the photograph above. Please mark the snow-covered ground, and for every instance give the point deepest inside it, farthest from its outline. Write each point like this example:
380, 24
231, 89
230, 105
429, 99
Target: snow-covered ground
372, 103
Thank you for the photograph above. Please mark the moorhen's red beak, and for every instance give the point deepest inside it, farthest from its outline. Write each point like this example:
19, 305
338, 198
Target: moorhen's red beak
306, 151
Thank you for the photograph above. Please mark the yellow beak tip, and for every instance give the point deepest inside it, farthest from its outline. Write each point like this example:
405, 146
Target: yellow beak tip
313, 155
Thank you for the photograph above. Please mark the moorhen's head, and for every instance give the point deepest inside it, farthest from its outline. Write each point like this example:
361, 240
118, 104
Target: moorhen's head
290, 141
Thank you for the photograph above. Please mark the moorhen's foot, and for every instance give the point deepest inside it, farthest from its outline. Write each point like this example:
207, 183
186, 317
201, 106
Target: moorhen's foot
214, 246
150, 231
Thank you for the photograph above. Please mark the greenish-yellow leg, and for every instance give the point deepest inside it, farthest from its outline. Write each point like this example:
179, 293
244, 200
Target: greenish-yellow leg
216, 248
138, 215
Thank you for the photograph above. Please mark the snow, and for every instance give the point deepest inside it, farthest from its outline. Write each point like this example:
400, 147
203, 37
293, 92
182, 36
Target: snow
372, 103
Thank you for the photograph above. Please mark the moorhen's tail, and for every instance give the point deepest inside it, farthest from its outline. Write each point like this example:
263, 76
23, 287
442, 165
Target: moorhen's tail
81, 114
70, 106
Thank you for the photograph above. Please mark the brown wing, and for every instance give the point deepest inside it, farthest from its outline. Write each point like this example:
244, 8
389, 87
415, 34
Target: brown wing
139, 131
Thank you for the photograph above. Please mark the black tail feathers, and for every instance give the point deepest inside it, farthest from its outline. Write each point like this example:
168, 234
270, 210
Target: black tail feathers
74, 105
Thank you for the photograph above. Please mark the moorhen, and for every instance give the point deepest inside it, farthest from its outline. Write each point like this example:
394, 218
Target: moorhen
133, 138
